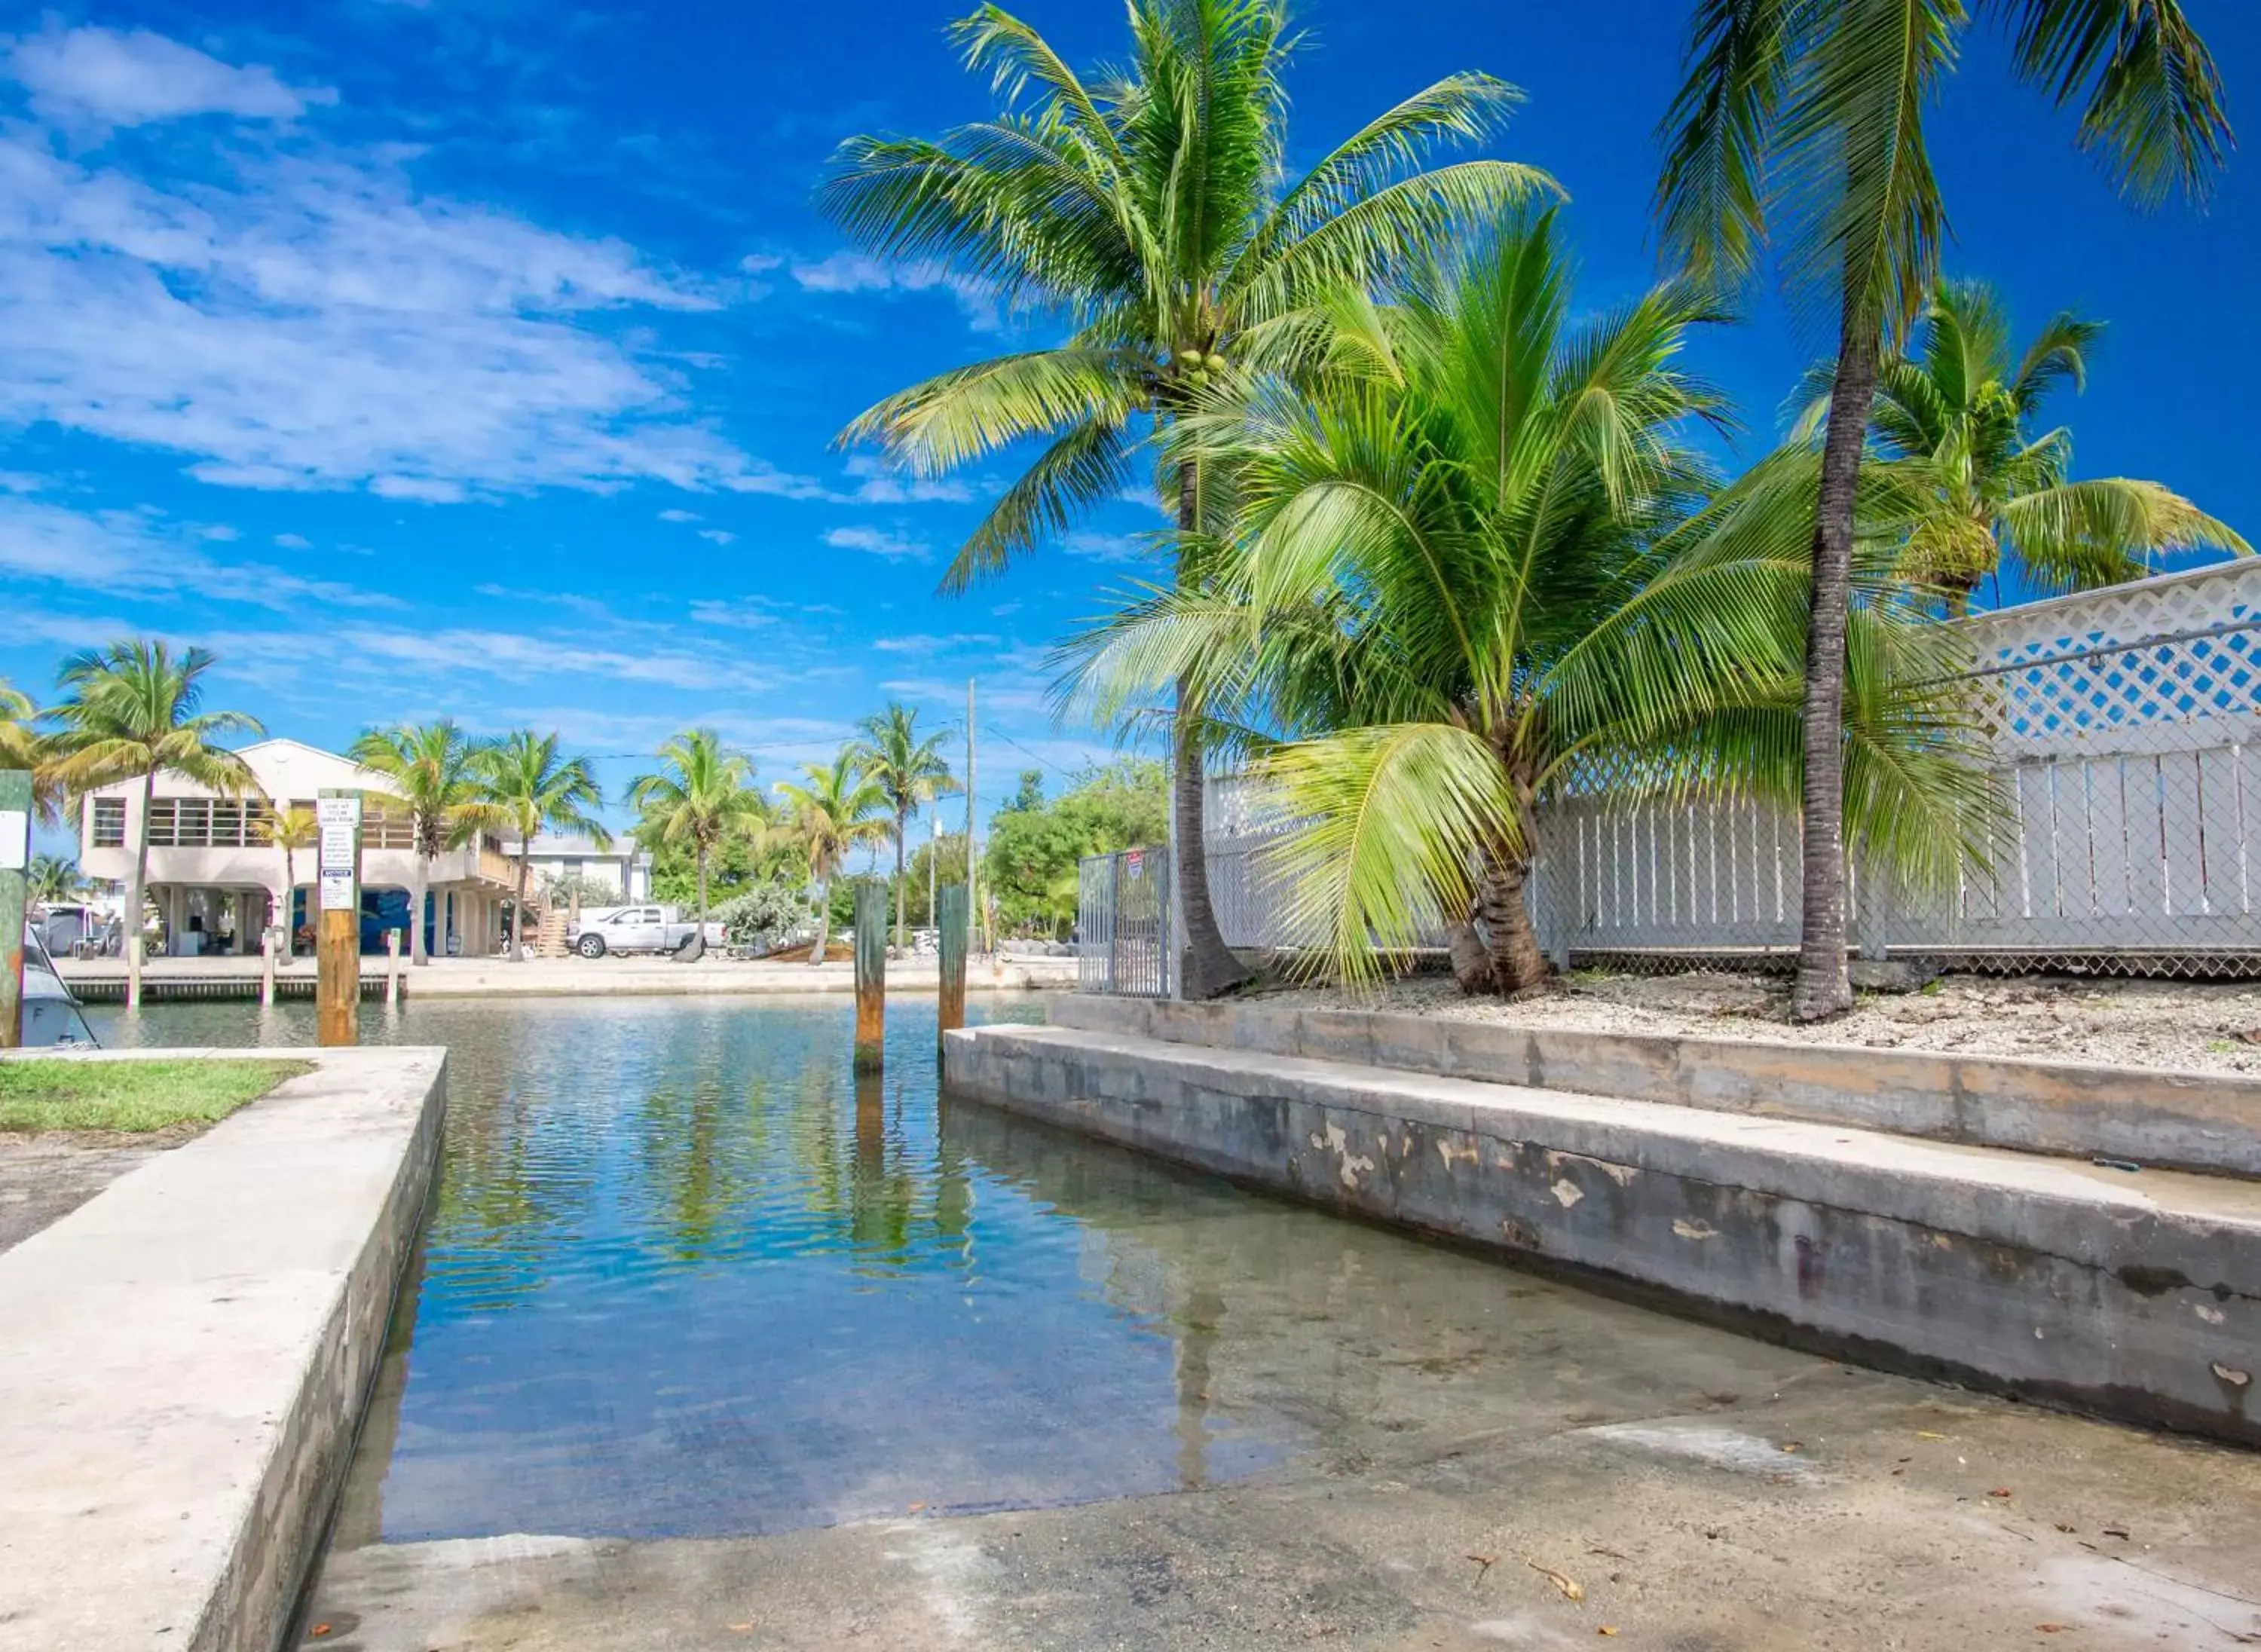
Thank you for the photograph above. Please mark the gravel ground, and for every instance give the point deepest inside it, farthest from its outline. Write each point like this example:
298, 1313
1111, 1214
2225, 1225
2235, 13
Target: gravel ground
2192, 1026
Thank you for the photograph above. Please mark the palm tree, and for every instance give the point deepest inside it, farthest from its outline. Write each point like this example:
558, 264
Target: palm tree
523, 774
51, 880
1470, 577
1145, 209
129, 711
434, 774
834, 809
1959, 402
699, 798
911, 772
21, 748
1803, 121
290, 831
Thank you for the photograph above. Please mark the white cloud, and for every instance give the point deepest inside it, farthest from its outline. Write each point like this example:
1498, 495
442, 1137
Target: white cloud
124, 79
294, 541
1097, 546
679, 516
745, 615
20, 482
849, 272
718, 535
138, 552
878, 541
881, 485
303, 316
518, 656
927, 643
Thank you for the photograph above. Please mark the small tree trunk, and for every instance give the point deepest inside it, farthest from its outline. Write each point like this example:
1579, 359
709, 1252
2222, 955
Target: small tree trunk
290, 898
519, 949
824, 920
1512, 943
702, 892
1823, 988
1471, 962
417, 953
902, 890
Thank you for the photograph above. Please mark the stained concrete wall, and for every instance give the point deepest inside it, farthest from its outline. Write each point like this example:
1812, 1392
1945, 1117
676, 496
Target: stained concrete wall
2135, 1297
183, 1361
2188, 1121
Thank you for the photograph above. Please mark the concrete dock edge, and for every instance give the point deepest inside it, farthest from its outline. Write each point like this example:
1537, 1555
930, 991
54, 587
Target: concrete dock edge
2132, 1298
184, 1361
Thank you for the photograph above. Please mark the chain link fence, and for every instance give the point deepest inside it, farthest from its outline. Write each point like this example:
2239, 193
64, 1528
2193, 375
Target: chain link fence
2123, 727
1125, 908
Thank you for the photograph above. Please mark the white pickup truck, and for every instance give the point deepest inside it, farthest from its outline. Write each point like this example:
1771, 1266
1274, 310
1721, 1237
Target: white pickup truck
635, 928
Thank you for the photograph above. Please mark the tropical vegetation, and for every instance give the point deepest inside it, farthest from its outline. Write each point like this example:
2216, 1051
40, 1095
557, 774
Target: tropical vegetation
129, 711
1037, 844
911, 772
433, 775
1144, 209
1955, 412
53, 879
290, 830
538, 789
1479, 570
698, 798
1800, 126
832, 810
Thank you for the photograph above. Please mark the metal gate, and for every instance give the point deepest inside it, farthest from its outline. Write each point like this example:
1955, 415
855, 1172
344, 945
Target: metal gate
1124, 936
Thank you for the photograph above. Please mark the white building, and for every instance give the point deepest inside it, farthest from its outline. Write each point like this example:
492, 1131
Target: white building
623, 866
217, 882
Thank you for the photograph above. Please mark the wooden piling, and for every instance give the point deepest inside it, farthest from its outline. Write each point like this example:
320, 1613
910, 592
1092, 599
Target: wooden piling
337, 932
392, 969
870, 975
950, 922
15, 897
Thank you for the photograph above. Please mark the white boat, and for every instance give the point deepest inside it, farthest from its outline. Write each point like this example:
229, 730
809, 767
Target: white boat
51, 1017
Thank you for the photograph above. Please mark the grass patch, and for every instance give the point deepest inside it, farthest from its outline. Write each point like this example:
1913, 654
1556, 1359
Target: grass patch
132, 1096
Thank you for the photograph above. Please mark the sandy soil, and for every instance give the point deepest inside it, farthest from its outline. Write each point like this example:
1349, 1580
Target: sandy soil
2195, 1026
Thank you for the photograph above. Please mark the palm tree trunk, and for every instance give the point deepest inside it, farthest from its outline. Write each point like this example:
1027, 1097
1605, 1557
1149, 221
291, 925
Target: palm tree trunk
1471, 959
1512, 944
518, 947
824, 920
1209, 969
702, 894
1823, 988
134, 894
903, 891
417, 954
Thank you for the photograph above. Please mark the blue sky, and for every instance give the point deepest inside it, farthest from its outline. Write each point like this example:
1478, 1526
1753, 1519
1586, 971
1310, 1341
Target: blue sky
479, 358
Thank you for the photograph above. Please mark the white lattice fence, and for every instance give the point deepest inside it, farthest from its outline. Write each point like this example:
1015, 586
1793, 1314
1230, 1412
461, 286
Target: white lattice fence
2126, 722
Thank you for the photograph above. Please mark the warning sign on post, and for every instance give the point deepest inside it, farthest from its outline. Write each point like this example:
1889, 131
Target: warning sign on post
337, 890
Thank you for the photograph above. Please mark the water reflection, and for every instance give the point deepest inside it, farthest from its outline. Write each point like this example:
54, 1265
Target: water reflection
687, 1276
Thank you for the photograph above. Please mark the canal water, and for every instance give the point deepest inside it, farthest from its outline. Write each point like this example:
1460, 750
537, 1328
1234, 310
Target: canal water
686, 1276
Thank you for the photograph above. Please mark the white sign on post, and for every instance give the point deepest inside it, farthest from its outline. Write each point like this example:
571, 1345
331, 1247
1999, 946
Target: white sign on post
337, 891
15, 840
338, 811
337, 848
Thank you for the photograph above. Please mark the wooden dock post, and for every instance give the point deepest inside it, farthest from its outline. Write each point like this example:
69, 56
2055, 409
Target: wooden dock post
870, 976
950, 1005
267, 939
392, 969
337, 944
15, 897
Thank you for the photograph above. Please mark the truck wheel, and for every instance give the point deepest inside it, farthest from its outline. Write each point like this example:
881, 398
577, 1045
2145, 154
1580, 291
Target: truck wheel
590, 946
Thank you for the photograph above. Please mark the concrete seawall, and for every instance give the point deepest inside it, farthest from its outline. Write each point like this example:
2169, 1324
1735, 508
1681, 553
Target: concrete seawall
2182, 1121
184, 1359
2133, 1296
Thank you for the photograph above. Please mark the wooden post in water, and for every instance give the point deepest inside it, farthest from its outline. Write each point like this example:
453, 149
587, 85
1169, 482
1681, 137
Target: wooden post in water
870, 975
950, 1010
392, 969
337, 931
15, 897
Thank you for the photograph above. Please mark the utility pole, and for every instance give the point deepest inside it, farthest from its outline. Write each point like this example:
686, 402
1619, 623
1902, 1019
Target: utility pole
14, 899
972, 861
